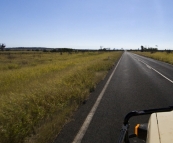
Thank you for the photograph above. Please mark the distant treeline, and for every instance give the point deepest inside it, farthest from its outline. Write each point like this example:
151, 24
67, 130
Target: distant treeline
69, 50
151, 49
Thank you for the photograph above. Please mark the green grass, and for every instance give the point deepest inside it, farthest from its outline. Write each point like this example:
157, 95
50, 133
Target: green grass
161, 56
40, 91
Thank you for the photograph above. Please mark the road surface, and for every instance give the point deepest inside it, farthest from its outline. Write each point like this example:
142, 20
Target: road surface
136, 83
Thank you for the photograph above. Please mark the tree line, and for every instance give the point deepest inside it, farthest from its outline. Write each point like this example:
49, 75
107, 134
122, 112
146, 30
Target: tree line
149, 49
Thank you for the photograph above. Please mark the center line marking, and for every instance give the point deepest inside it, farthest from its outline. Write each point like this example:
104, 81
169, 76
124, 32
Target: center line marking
154, 70
88, 119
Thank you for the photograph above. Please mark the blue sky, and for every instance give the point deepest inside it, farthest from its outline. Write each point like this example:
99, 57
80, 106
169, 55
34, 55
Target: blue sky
87, 24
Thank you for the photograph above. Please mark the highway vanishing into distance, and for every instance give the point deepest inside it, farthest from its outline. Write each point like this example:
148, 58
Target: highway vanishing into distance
135, 83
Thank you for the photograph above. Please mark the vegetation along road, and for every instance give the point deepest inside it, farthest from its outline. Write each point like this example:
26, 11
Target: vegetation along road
39, 91
136, 83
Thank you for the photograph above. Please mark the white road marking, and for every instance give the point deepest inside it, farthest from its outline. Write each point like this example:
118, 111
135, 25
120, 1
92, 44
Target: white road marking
88, 119
154, 69
149, 67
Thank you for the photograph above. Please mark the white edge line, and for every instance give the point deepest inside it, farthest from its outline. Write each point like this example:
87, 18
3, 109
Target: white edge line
155, 70
153, 59
89, 117
162, 75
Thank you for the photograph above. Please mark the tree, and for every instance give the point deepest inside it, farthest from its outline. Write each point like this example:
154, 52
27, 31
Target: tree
142, 48
2, 46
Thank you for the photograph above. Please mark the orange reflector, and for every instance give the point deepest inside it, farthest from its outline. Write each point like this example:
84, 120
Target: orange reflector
136, 129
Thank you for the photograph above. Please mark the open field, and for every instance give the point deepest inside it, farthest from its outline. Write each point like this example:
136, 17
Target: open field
40, 91
161, 56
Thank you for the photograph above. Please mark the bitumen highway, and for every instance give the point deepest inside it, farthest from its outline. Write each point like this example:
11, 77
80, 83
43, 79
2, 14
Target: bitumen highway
134, 83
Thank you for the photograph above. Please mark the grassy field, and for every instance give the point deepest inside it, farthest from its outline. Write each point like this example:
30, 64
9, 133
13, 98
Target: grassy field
161, 56
40, 91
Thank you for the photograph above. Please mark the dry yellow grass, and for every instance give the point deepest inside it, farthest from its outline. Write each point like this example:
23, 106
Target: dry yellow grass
40, 91
161, 56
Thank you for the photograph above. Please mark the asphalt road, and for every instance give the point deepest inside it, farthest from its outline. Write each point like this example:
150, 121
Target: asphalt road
138, 83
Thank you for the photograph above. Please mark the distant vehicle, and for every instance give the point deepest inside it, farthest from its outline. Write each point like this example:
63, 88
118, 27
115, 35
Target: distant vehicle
159, 129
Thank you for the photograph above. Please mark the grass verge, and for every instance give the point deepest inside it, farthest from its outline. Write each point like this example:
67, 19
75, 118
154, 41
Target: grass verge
36, 101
